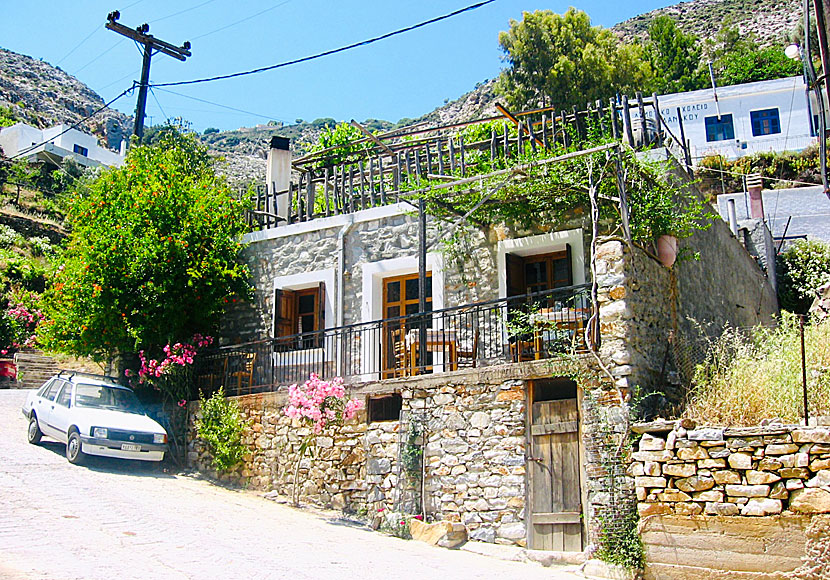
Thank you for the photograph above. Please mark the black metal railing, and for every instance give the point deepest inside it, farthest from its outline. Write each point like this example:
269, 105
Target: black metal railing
515, 329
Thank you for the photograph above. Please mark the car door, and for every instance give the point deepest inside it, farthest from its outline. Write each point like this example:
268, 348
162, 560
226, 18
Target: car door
60, 417
44, 404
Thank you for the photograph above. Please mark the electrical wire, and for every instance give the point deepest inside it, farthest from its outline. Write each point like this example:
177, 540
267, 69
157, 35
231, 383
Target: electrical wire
132, 74
155, 98
77, 46
181, 11
332, 51
241, 21
220, 105
73, 126
117, 42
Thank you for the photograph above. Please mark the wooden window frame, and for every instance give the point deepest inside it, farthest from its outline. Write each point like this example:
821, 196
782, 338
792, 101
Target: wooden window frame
516, 273
287, 317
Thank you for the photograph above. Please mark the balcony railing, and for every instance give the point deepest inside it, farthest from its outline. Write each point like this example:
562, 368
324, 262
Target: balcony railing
384, 169
520, 328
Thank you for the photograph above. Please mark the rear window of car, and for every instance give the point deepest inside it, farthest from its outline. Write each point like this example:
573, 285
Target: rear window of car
105, 397
66, 394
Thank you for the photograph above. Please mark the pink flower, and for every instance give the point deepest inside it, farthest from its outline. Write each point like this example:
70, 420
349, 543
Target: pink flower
182, 403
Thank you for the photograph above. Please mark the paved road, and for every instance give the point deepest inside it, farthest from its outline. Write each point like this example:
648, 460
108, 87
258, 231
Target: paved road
121, 520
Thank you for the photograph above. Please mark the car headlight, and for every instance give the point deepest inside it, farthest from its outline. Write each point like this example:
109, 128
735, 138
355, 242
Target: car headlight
99, 432
159, 438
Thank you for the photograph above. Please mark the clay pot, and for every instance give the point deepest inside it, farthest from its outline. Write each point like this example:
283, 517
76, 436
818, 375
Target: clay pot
667, 250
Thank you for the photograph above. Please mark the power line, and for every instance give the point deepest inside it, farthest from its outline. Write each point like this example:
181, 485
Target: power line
117, 42
181, 11
77, 46
219, 105
73, 126
134, 73
155, 98
243, 20
330, 52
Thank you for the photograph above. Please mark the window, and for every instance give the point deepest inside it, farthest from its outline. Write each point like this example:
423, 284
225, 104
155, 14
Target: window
765, 122
719, 129
555, 389
400, 298
386, 408
51, 389
300, 314
80, 150
64, 397
530, 274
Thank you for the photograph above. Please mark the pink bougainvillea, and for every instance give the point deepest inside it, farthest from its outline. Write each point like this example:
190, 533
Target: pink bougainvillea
176, 355
320, 403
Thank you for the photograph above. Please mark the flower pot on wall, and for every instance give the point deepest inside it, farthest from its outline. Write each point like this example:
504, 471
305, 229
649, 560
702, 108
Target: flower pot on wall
667, 250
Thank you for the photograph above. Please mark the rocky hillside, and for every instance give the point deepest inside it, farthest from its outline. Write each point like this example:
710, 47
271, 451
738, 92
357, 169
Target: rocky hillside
43, 95
769, 21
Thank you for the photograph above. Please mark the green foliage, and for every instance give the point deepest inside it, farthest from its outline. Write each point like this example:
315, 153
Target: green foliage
675, 57
738, 59
152, 255
413, 452
342, 140
727, 175
324, 123
619, 540
802, 268
210, 131
221, 426
7, 117
563, 61
748, 376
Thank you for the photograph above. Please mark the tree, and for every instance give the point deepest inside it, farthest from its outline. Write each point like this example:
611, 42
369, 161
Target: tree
674, 56
562, 61
802, 269
151, 258
737, 59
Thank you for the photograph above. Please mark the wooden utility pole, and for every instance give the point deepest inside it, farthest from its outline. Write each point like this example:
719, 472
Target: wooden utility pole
152, 46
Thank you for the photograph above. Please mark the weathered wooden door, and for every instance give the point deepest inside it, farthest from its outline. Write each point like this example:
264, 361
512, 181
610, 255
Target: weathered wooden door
553, 468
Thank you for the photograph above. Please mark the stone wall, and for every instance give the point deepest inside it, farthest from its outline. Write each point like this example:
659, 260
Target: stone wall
722, 479
471, 427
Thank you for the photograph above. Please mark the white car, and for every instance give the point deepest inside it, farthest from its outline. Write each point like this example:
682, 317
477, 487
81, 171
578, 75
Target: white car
93, 415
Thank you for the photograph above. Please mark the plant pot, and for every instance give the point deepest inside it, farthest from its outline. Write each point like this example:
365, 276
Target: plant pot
667, 250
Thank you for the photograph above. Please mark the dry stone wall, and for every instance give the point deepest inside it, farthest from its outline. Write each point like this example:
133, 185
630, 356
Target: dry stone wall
733, 502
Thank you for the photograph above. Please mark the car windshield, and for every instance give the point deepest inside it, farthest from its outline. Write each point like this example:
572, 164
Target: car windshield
104, 397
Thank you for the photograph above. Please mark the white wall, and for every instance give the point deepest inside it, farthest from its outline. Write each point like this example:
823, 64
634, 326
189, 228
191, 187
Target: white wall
21, 137
787, 95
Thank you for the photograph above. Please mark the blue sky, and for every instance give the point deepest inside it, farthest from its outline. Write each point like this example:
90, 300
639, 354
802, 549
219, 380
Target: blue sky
404, 76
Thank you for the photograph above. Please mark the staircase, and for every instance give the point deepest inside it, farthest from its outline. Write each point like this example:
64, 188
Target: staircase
34, 369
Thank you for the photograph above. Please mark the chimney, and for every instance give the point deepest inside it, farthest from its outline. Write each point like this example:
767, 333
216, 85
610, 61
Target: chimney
278, 173
756, 202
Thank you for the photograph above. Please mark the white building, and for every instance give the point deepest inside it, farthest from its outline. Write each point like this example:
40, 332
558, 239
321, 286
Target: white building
54, 144
743, 119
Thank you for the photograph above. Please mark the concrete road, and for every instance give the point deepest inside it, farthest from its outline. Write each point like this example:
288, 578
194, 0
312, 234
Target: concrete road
113, 519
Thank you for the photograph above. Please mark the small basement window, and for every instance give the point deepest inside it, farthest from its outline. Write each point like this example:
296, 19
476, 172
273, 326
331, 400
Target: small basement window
385, 408
556, 389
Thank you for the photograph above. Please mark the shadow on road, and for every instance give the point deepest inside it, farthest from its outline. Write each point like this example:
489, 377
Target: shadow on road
112, 465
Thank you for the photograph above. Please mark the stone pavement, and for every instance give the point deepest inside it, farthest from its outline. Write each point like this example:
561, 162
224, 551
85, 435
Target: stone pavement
125, 520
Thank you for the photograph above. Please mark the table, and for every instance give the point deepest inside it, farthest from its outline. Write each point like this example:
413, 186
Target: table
437, 340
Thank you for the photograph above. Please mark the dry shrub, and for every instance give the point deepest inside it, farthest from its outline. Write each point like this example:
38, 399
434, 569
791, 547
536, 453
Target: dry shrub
747, 377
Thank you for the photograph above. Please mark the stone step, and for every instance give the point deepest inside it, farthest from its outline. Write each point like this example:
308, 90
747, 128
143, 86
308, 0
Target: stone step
34, 369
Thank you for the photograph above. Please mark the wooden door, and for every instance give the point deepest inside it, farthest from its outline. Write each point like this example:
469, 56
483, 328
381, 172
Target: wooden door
553, 468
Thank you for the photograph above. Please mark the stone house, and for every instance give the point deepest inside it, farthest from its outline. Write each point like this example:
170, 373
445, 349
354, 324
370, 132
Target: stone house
496, 410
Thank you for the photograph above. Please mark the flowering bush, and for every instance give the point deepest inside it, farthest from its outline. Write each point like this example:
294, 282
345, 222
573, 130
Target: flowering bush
177, 355
321, 403
17, 325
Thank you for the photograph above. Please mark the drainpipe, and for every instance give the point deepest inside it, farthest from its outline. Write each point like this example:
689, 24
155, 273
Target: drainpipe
341, 281
733, 219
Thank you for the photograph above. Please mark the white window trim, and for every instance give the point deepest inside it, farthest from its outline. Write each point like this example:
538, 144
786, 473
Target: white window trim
304, 281
542, 244
372, 298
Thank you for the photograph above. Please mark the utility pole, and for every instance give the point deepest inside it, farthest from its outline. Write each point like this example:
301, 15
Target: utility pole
152, 46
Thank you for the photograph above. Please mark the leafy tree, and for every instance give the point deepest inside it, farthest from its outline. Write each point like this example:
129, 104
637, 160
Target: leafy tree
210, 131
562, 61
675, 57
152, 254
737, 59
802, 269
7, 117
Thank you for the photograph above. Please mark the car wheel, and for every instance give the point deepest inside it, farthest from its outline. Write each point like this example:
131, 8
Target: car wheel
74, 453
34, 433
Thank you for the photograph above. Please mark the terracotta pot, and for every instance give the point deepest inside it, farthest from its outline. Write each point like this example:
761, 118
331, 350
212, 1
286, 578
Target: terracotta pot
667, 250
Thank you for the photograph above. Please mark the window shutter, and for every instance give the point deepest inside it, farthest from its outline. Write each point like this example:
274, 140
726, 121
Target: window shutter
321, 306
285, 313
515, 267
570, 265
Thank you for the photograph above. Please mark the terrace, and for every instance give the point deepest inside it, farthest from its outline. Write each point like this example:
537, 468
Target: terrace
537, 321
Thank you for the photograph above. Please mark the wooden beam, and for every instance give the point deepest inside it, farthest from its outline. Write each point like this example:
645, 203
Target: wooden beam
513, 118
370, 136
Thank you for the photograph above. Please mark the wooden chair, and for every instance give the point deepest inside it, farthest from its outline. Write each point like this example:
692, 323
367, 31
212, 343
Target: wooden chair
213, 373
469, 358
244, 371
402, 364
